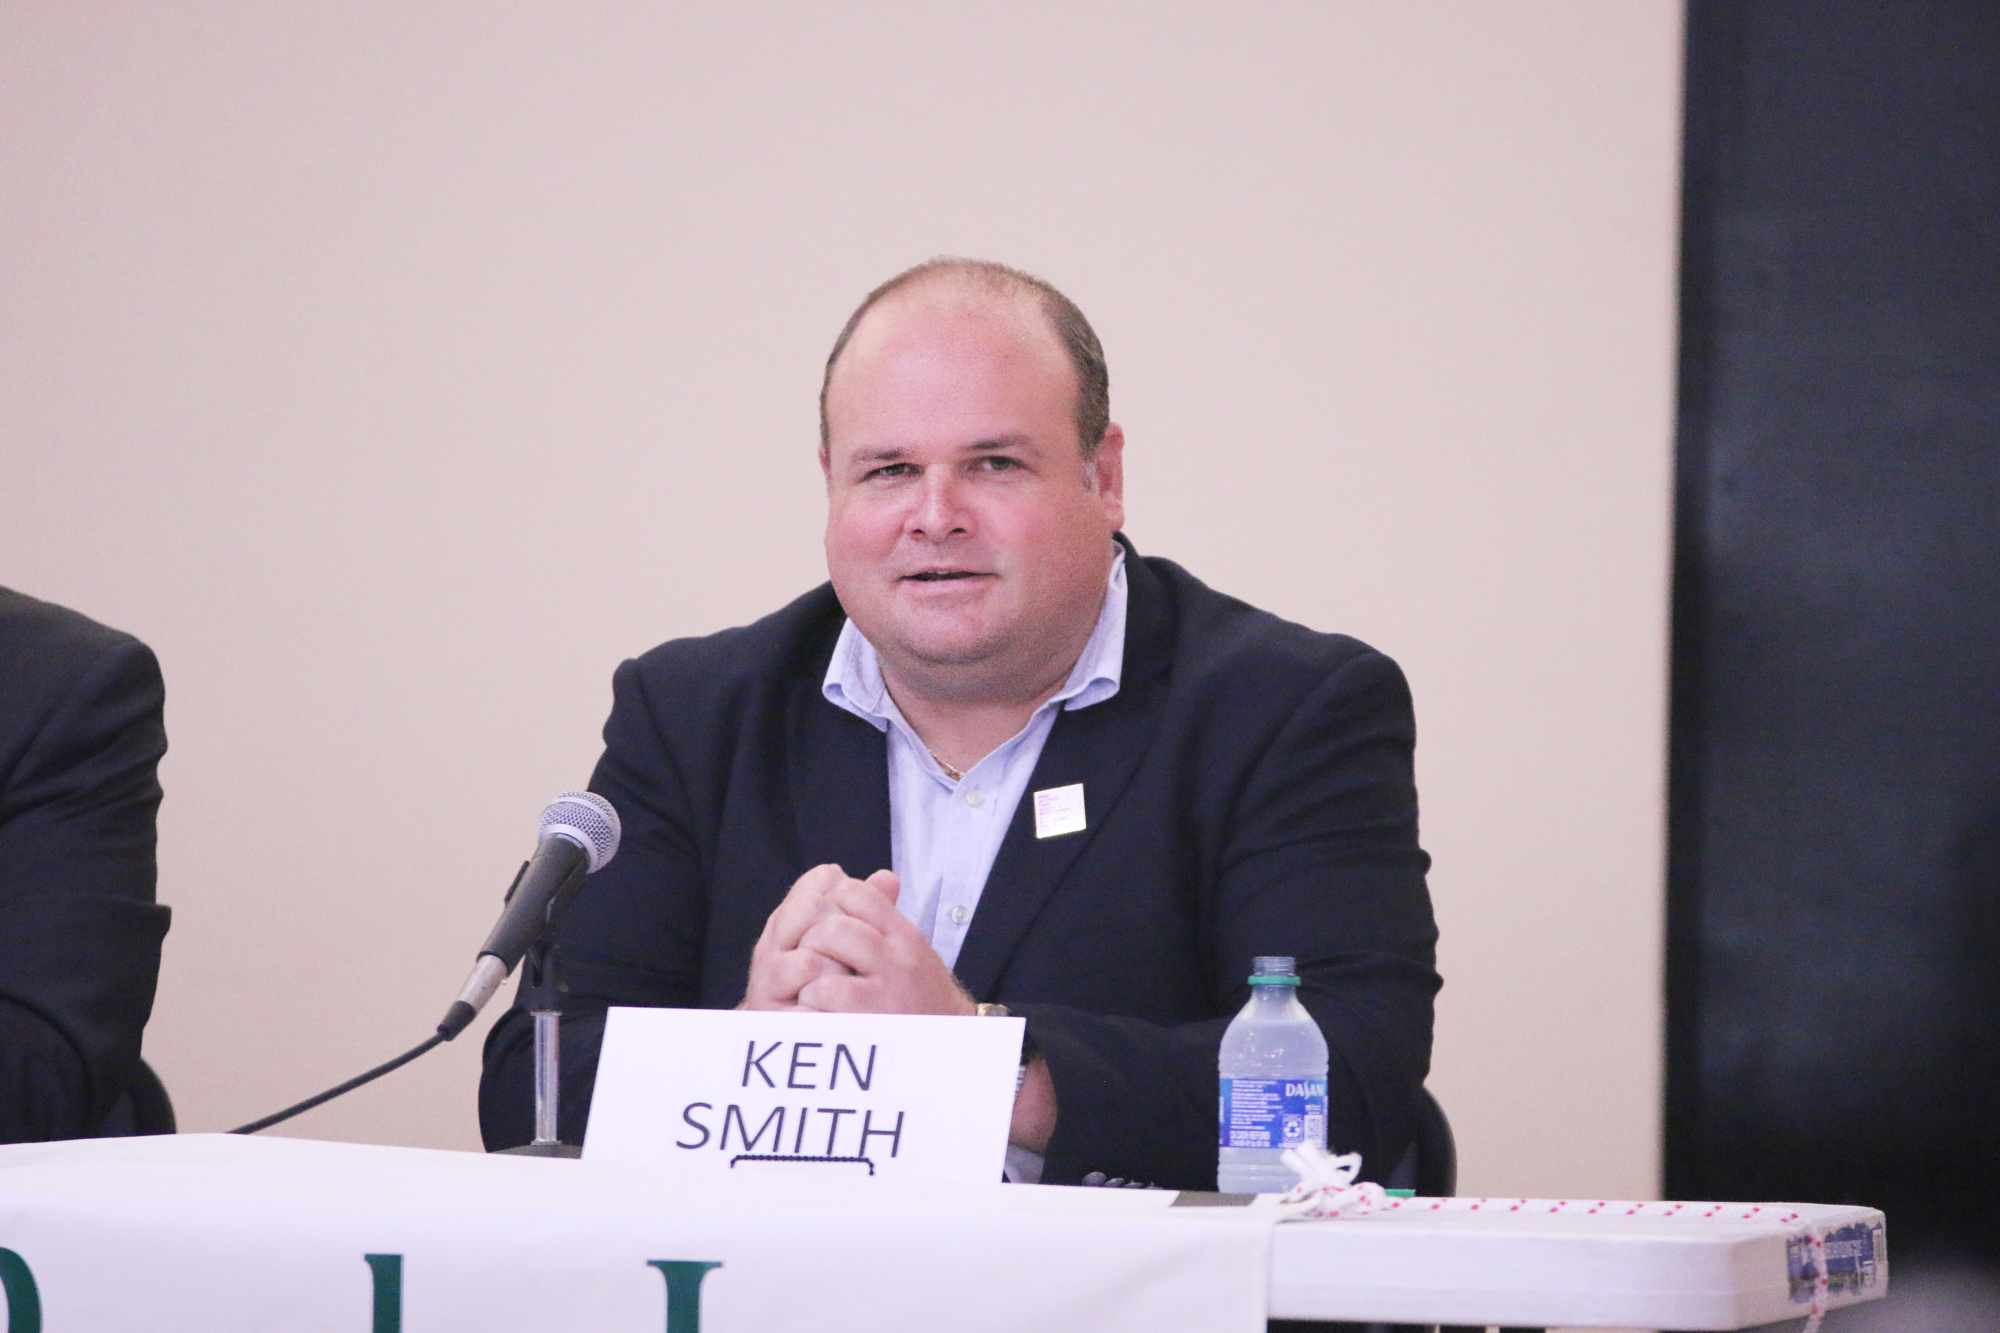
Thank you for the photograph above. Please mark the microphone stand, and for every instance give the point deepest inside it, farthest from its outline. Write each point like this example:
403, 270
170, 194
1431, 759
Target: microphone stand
589, 824
541, 992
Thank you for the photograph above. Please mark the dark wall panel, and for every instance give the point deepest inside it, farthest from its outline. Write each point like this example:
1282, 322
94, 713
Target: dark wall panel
1834, 899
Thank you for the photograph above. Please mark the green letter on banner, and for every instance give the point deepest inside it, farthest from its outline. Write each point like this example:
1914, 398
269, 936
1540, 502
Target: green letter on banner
24, 1303
387, 1271
683, 1291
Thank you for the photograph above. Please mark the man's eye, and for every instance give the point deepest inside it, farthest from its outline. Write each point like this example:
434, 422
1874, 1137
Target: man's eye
890, 470
998, 463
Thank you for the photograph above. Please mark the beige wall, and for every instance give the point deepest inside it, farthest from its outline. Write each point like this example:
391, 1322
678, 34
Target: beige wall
396, 369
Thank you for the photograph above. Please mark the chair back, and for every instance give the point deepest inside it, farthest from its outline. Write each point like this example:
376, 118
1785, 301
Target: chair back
143, 1108
1437, 1151
1430, 1163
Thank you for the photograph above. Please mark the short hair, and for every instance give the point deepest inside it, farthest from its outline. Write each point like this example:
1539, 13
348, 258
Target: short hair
1086, 355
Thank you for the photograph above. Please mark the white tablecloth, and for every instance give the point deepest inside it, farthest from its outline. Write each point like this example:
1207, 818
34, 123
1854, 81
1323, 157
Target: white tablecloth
208, 1232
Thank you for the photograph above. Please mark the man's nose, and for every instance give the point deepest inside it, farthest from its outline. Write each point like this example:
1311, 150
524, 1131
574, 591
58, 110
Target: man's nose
940, 508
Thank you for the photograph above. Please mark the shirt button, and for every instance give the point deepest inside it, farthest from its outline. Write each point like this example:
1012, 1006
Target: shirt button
958, 915
974, 799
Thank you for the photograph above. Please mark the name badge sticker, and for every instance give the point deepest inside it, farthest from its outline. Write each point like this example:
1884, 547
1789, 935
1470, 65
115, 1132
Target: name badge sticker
1059, 810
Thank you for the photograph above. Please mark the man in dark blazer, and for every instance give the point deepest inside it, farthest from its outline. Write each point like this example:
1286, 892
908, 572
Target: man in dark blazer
1245, 783
80, 743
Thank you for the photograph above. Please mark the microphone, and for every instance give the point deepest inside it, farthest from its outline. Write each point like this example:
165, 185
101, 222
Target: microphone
579, 835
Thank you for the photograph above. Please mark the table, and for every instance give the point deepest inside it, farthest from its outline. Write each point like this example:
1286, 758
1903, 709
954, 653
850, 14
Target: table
199, 1232
1535, 1269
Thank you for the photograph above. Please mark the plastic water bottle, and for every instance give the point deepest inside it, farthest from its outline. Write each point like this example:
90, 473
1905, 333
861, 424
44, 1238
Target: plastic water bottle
1273, 1070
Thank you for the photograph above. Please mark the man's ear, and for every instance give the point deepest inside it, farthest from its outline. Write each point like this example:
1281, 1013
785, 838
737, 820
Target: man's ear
1105, 475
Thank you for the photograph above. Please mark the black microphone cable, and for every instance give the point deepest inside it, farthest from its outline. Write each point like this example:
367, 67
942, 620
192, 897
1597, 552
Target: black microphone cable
438, 1038
583, 830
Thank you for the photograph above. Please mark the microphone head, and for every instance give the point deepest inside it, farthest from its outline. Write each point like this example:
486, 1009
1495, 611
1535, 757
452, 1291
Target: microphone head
586, 819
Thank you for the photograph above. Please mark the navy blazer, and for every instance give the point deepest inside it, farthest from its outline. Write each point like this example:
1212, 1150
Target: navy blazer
1247, 791
80, 743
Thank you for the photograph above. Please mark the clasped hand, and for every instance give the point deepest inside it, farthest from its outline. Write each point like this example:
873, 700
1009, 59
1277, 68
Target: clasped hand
837, 944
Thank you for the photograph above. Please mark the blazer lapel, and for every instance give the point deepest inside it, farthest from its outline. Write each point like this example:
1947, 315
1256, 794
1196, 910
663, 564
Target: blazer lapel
839, 772
1100, 747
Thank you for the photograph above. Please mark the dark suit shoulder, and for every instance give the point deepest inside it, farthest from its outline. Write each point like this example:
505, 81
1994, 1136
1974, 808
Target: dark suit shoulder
1224, 641
48, 645
709, 670
72, 692
681, 711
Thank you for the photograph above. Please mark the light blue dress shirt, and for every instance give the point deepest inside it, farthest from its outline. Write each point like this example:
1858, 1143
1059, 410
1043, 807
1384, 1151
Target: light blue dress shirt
943, 835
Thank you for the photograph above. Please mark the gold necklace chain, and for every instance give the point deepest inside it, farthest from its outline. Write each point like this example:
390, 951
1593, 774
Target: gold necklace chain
950, 772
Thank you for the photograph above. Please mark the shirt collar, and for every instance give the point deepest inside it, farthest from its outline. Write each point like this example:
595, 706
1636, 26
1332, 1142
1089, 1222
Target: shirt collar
854, 676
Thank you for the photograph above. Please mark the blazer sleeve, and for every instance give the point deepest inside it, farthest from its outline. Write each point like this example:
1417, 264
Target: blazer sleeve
633, 936
79, 930
1318, 858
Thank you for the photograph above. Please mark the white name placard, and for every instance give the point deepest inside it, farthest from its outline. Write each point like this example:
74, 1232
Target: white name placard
820, 1096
